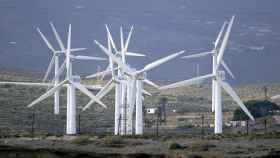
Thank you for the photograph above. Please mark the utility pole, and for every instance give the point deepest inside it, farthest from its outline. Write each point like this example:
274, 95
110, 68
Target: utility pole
157, 124
265, 125
247, 127
119, 124
163, 101
33, 122
79, 123
202, 123
265, 92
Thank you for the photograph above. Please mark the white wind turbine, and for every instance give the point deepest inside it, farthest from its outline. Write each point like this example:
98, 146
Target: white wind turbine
55, 63
134, 86
118, 81
217, 79
72, 82
214, 54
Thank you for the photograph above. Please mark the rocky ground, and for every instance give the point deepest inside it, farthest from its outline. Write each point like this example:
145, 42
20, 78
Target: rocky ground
184, 146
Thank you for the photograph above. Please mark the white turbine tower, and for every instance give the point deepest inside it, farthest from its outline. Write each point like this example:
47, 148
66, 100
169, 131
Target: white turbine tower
136, 77
72, 82
217, 80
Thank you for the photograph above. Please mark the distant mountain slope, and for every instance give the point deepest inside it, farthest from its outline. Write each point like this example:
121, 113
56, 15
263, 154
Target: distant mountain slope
161, 27
15, 115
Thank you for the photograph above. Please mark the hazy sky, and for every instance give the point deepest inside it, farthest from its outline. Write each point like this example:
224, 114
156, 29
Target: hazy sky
161, 27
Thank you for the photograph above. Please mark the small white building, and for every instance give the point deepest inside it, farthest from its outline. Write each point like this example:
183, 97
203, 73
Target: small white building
238, 123
151, 110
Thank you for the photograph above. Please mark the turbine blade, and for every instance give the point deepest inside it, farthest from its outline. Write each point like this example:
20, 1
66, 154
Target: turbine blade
84, 90
220, 35
47, 94
122, 41
146, 92
77, 49
128, 38
88, 105
58, 39
111, 64
72, 50
81, 57
69, 38
227, 69
134, 54
113, 57
275, 97
224, 43
93, 87
149, 82
198, 55
105, 90
49, 68
122, 45
46, 41
111, 38
27, 84
102, 73
235, 97
160, 61
187, 82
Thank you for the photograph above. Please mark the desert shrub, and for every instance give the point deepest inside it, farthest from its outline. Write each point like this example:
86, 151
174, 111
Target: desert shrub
114, 141
200, 146
165, 138
144, 136
81, 140
175, 146
258, 108
195, 156
206, 155
271, 135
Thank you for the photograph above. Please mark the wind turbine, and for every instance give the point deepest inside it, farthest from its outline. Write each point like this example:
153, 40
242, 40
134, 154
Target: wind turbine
118, 80
72, 83
55, 63
214, 52
136, 77
217, 79
122, 52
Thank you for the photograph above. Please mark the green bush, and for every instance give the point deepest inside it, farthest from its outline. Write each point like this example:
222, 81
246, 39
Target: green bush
258, 108
81, 140
201, 146
114, 141
175, 146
